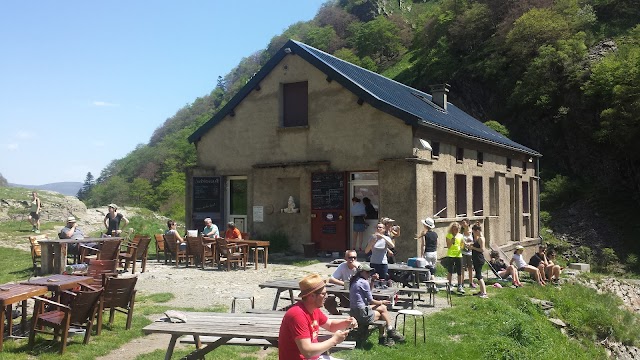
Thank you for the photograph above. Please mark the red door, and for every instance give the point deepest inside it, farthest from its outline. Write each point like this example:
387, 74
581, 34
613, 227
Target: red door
329, 218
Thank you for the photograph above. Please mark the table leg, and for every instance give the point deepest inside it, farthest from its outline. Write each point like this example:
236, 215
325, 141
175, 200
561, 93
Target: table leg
255, 256
275, 302
59, 260
172, 345
9, 320
266, 256
291, 297
46, 260
200, 353
2, 312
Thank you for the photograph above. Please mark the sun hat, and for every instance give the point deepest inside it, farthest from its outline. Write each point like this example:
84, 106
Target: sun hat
386, 220
71, 219
496, 285
310, 284
428, 222
364, 267
114, 206
519, 247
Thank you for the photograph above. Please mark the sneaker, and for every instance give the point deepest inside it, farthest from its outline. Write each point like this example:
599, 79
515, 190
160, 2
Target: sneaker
473, 286
393, 334
483, 296
36, 231
460, 289
477, 294
386, 341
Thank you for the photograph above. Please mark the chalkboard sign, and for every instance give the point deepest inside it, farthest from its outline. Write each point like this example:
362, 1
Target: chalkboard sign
327, 191
206, 194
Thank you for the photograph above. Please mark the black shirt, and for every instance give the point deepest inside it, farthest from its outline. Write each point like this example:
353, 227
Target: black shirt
430, 241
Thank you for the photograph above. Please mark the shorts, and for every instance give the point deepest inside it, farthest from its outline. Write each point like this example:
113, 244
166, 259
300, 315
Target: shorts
363, 315
34, 216
477, 268
381, 269
359, 227
431, 258
467, 261
454, 265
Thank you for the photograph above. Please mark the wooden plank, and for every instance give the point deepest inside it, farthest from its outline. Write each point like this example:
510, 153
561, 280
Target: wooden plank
345, 345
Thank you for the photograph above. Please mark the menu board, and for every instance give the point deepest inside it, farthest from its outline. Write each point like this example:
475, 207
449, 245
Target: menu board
206, 194
327, 191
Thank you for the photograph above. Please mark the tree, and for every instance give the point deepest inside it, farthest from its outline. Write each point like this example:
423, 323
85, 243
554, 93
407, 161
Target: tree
85, 190
498, 127
377, 39
141, 193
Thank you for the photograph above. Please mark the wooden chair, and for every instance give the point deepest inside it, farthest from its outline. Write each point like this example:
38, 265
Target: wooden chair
171, 243
160, 247
245, 235
108, 250
136, 250
81, 311
198, 251
99, 269
119, 294
36, 254
231, 253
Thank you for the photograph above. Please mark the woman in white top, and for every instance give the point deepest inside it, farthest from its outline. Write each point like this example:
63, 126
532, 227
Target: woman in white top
467, 260
523, 266
378, 244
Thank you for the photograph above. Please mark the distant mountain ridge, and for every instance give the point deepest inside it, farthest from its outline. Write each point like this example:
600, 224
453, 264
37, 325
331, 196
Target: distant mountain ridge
66, 188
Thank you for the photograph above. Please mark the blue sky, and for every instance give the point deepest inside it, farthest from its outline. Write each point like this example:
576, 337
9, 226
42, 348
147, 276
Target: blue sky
83, 82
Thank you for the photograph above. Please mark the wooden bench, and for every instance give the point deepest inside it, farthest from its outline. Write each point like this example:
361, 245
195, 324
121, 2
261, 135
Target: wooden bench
188, 339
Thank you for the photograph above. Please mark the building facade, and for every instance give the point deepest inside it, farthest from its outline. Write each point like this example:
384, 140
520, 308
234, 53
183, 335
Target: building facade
319, 130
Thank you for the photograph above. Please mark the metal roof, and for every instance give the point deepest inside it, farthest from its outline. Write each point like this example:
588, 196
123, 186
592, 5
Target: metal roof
411, 105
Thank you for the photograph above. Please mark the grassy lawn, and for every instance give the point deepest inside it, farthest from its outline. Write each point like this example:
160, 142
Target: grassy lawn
505, 326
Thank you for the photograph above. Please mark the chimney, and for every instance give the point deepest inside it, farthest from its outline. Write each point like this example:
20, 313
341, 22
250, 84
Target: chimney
439, 95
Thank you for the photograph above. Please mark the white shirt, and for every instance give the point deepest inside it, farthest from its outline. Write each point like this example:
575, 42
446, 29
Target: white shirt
343, 272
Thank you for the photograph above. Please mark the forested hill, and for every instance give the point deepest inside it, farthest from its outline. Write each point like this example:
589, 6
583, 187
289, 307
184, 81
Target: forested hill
562, 76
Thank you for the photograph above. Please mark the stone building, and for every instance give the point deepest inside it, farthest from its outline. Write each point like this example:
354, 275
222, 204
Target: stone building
321, 130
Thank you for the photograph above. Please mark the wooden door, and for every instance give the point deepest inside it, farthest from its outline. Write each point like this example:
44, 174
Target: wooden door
329, 218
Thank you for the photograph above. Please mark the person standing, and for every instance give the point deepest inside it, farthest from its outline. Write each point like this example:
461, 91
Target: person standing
358, 213
467, 258
455, 243
429, 245
112, 221
298, 336
378, 245
34, 213
477, 254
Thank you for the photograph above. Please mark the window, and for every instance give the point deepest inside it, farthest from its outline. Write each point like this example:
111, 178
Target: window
461, 195
494, 200
459, 154
295, 104
435, 149
477, 196
524, 167
508, 164
440, 194
480, 158
525, 198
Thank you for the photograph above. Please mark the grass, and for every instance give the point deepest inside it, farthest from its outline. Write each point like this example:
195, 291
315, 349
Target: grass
505, 326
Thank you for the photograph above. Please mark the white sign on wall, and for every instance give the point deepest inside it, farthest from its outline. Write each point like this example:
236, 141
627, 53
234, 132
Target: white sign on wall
258, 214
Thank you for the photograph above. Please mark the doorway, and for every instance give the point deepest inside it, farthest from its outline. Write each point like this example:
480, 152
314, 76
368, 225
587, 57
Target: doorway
236, 201
365, 185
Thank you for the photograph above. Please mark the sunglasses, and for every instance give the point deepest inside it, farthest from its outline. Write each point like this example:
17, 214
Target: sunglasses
352, 257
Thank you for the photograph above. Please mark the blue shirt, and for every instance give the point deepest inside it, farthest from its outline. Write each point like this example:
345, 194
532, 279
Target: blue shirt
360, 294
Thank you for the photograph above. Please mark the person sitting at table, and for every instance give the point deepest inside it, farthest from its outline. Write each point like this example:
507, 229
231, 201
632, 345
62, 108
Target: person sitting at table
298, 336
71, 231
112, 221
172, 230
366, 310
232, 232
344, 272
210, 229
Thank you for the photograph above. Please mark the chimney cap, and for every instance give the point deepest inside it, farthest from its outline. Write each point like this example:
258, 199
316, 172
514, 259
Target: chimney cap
440, 87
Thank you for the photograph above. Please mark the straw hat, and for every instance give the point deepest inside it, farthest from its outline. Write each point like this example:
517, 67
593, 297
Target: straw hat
310, 283
519, 247
71, 219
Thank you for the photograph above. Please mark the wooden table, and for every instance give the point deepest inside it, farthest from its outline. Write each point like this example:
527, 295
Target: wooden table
58, 283
225, 329
11, 294
255, 244
292, 284
399, 267
54, 252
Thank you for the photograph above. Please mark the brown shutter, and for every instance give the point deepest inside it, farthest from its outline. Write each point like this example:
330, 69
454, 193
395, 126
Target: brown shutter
296, 104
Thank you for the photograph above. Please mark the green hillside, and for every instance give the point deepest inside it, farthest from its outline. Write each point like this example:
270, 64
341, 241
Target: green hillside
563, 77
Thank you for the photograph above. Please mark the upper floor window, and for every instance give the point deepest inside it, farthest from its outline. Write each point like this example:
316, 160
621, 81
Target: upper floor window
295, 104
459, 154
480, 158
508, 164
435, 149
524, 167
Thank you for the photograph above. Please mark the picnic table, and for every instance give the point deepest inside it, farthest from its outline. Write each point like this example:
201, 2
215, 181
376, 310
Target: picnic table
57, 283
400, 268
255, 244
217, 329
292, 284
54, 252
15, 293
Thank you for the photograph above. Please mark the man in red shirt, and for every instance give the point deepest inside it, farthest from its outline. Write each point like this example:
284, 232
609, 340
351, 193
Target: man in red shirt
232, 231
301, 324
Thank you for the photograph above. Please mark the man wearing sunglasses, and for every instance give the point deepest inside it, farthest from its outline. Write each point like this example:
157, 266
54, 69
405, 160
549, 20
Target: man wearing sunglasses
342, 275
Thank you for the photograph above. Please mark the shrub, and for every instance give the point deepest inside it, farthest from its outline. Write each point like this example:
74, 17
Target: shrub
585, 254
557, 191
545, 217
632, 262
608, 258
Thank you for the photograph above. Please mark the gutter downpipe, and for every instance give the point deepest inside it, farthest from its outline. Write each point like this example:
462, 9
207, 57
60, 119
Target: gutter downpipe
539, 191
